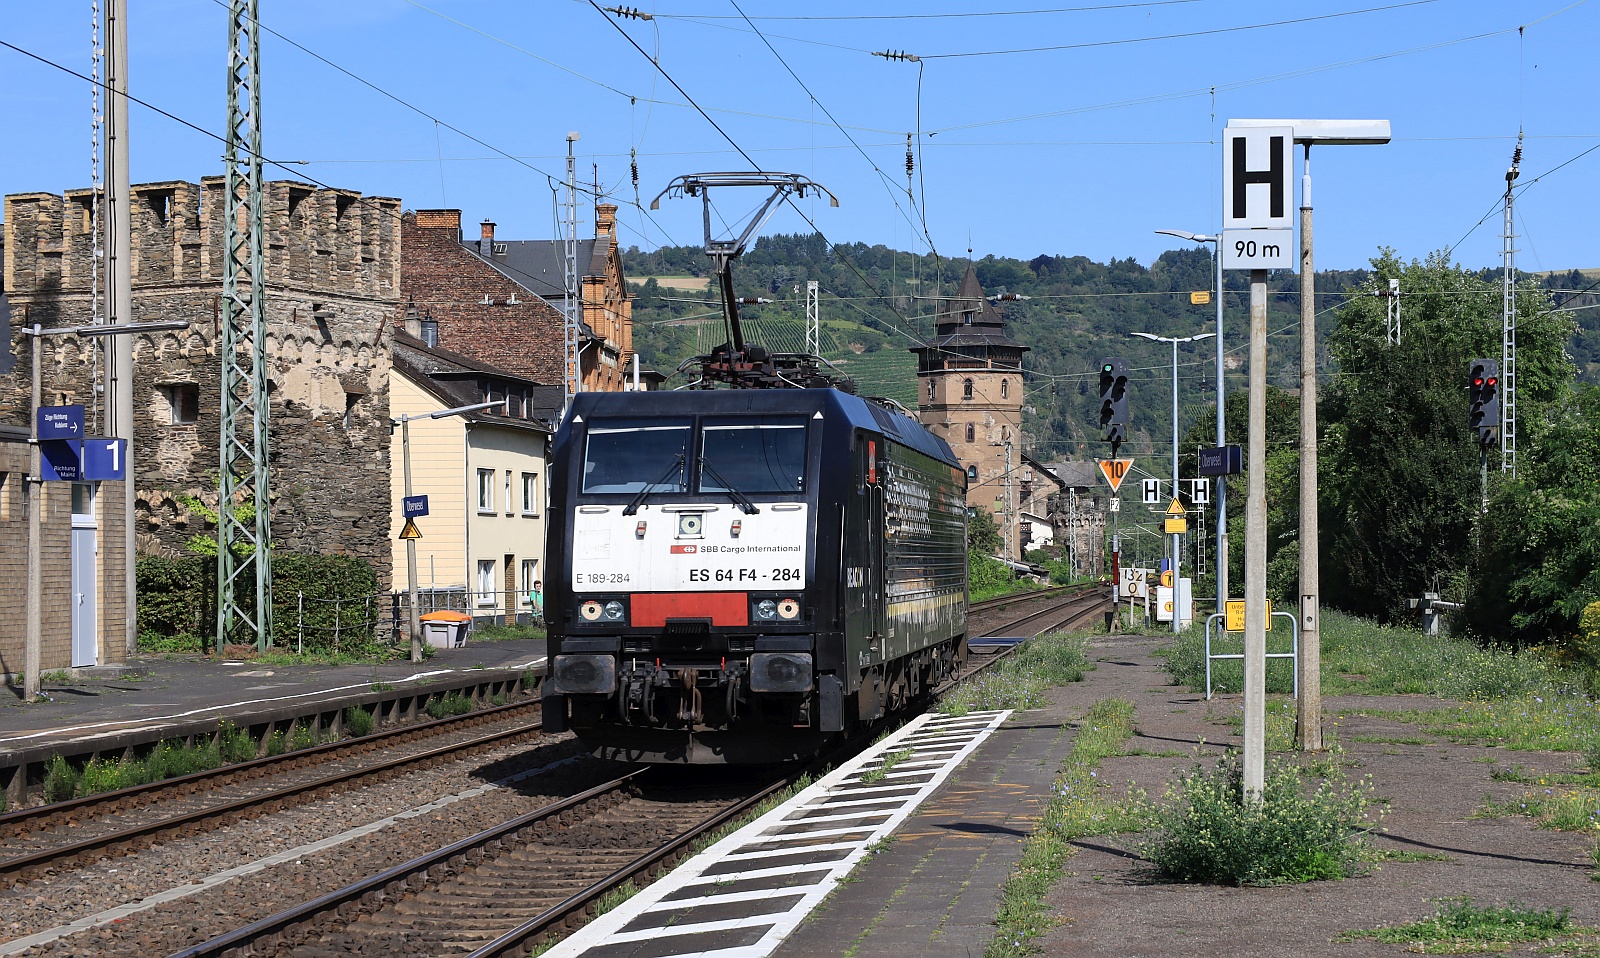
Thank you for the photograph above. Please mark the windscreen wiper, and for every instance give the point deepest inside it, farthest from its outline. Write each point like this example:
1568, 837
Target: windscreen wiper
633, 505
744, 502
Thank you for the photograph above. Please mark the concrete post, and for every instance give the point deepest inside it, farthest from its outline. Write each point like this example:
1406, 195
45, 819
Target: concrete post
1255, 549
1308, 711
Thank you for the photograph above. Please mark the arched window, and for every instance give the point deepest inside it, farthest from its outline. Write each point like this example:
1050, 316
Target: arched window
971, 432
930, 390
972, 473
1005, 433
966, 388
1005, 388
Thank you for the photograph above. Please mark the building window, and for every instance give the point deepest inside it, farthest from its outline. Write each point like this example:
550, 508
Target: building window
972, 432
972, 473
1005, 433
183, 402
486, 491
1005, 388
530, 493
83, 500
930, 390
350, 400
486, 582
5, 496
509, 500
966, 389
530, 574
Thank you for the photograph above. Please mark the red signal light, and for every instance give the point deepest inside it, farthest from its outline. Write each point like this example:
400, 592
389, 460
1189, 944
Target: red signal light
1493, 380
1478, 381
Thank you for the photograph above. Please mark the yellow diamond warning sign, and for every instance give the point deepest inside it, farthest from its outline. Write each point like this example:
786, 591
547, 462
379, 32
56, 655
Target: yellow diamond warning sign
1115, 470
410, 531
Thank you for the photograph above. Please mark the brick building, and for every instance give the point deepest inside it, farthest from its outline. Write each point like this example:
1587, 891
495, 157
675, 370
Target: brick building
501, 301
969, 391
332, 285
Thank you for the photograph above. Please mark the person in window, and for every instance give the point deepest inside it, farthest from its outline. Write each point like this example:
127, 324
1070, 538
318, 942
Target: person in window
536, 601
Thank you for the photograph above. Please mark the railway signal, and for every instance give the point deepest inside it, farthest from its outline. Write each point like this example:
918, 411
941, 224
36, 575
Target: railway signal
1484, 394
1114, 400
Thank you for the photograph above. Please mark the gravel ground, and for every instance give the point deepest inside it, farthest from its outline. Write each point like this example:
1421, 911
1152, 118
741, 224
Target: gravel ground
58, 898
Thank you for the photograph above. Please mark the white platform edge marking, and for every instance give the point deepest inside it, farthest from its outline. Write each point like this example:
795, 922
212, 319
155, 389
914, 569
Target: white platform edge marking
195, 886
608, 928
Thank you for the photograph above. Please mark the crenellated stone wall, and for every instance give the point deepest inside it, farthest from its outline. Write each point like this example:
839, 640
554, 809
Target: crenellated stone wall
332, 272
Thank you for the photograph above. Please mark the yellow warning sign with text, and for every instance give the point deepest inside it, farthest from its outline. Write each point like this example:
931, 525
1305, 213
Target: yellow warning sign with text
1177, 527
1200, 297
1233, 615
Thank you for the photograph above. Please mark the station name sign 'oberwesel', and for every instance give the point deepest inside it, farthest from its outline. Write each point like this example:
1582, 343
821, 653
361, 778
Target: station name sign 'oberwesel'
1256, 197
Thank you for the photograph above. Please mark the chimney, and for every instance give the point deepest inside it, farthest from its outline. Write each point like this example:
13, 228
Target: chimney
605, 219
440, 220
486, 239
413, 320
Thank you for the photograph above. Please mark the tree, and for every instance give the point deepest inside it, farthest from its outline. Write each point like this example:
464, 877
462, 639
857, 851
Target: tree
1400, 465
983, 533
1539, 565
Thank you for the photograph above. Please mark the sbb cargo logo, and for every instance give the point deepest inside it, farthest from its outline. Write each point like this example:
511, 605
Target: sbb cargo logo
685, 550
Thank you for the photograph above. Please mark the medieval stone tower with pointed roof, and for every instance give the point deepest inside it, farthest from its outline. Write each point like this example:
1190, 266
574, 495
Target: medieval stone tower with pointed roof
969, 392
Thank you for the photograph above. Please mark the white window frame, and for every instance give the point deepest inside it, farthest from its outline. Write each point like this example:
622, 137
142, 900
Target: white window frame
530, 494
485, 492
486, 577
530, 572
509, 500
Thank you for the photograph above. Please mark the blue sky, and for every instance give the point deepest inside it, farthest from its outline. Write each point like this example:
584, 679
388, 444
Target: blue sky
1084, 150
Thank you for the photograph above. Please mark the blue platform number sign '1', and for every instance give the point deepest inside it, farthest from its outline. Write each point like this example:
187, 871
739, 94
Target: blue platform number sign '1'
105, 459
414, 506
60, 422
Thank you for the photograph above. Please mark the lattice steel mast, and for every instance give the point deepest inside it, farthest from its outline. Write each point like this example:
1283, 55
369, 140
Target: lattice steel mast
572, 304
244, 543
1508, 334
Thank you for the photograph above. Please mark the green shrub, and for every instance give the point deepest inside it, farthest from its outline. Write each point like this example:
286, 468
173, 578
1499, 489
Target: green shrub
453, 704
358, 721
235, 744
276, 744
100, 775
1208, 833
303, 735
60, 780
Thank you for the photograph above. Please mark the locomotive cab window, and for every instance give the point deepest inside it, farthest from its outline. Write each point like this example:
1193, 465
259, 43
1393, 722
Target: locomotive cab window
629, 457
753, 455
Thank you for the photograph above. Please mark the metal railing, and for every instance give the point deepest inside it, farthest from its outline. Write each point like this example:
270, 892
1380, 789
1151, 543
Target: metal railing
1293, 653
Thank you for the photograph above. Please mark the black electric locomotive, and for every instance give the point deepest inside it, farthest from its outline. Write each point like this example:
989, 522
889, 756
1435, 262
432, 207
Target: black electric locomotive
741, 574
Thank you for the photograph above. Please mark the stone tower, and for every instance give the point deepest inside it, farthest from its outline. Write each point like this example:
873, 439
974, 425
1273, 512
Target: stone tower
969, 391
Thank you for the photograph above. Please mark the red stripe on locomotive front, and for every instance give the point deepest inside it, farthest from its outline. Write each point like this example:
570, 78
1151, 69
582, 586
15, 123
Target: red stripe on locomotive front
653, 609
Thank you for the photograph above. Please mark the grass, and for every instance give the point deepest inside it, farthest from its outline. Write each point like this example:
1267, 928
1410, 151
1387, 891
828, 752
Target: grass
1080, 805
505, 633
1020, 681
1552, 807
1458, 926
1280, 715
881, 772
168, 759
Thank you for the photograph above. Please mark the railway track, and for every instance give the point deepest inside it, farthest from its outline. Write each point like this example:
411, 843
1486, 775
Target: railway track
500, 892
1066, 607
80, 830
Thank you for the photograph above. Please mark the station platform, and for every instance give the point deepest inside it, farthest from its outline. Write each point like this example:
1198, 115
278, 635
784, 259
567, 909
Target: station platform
104, 711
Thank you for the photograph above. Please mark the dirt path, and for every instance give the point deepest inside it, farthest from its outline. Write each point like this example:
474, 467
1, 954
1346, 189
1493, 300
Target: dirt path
1110, 903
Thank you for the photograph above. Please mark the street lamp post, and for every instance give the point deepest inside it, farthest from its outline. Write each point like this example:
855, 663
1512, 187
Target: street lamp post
1177, 557
32, 657
414, 623
1222, 431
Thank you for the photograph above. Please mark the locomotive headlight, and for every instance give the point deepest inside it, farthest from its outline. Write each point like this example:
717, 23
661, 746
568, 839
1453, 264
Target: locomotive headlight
591, 610
690, 523
788, 608
613, 611
766, 609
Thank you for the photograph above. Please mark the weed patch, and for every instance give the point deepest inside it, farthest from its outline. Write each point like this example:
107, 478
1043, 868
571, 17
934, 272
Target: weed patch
453, 704
1460, 926
1020, 681
1208, 833
881, 771
358, 721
